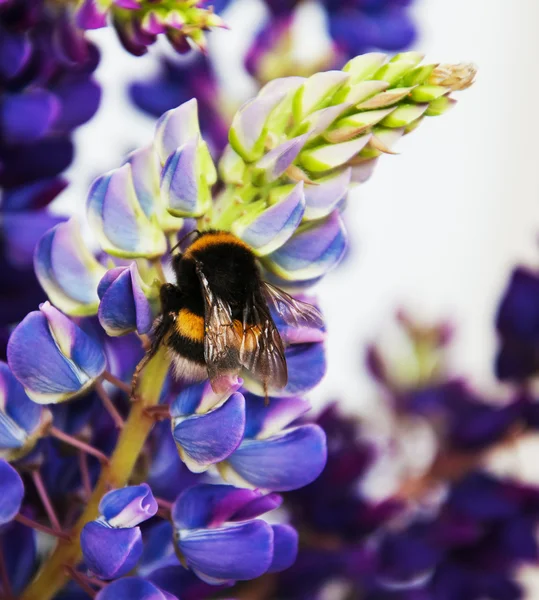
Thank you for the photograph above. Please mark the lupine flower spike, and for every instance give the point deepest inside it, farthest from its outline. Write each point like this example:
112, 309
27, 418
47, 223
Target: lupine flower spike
293, 153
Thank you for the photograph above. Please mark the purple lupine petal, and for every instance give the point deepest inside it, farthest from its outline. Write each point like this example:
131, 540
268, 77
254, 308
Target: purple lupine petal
33, 195
20, 554
183, 184
145, 168
312, 251
275, 162
110, 553
246, 133
315, 89
262, 421
79, 98
272, 227
12, 492
187, 401
206, 439
200, 398
261, 504
283, 462
207, 505
21, 232
282, 85
128, 506
306, 367
133, 588
19, 416
40, 160
326, 195
124, 306
285, 547
89, 15
320, 120
68, 361
175, 128
235, 552
67, 270
118, 220
15, 50
27, 117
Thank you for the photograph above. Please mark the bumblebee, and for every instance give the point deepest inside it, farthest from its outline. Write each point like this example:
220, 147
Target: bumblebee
215, 319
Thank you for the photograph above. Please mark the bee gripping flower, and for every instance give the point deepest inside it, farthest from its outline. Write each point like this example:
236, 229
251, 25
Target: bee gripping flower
12, 492
67, 271
207, 427
67, 364
275, 454
112, 545
21, 421
220, 539
127, 303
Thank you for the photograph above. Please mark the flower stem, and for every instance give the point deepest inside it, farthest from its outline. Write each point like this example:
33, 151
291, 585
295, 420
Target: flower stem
75, 442
85, 474
81, 582
47, 504
121, 385
109, 405
52, 576
39, 527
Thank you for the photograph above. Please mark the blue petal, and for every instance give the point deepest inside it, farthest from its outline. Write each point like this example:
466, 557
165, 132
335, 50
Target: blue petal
285, 547
12, 492
20, 555
284, 462
206, 505
52, 372
15, 403
263, 420
117, 311
110, 553
306, 368
207, 439
128, 506
187, 401
15, 50
79, 97
29, 116
132, 588
235, 552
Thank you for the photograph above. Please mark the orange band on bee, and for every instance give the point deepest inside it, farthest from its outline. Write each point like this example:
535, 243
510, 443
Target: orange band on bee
190, 325
214, 239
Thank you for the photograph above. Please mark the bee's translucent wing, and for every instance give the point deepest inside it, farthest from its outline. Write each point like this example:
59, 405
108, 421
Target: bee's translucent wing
262, 351
293, 312
222, 336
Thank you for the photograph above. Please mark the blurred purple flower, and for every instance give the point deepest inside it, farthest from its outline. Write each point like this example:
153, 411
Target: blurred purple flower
12, 492
46, 91
517, 324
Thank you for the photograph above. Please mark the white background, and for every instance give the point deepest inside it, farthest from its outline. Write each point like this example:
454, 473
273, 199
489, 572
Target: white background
438, 227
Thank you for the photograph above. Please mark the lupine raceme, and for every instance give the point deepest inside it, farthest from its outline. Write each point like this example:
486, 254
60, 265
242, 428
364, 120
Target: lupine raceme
294, 153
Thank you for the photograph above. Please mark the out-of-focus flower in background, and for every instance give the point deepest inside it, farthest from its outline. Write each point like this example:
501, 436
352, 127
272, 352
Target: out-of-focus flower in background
46, 92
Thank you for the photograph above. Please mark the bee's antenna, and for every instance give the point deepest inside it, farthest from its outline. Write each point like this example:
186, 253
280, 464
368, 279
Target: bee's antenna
183, 239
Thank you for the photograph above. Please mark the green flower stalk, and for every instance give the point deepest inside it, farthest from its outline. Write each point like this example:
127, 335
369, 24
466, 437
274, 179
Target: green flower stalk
295, 149
294, 152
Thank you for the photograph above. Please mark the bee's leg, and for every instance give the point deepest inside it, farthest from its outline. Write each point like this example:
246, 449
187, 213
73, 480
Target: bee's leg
159, 333
170, 305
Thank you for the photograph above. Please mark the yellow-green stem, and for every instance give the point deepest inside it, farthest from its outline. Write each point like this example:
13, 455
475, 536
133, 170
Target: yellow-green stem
53, 575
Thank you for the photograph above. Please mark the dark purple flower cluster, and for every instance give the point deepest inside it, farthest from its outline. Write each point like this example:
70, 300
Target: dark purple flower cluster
46, 91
